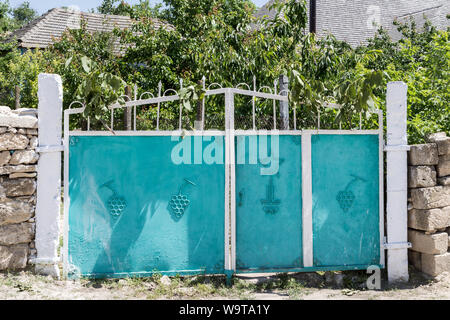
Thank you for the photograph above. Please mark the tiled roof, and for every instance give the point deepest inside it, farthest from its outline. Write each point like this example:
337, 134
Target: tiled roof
264, 10
351, 21
43, 31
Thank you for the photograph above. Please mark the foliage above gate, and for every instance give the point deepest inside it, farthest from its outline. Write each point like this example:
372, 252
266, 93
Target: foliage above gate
97, 90
221, 40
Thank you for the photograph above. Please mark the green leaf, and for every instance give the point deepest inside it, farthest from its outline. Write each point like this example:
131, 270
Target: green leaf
187, 105
86, 63
371, 103
68, 62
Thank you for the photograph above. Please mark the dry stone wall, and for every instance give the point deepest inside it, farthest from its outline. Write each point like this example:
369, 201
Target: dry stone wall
18, 171
429, 205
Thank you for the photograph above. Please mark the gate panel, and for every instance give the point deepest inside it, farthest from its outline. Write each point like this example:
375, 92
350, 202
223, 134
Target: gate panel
134, 211
268, 207
346, 191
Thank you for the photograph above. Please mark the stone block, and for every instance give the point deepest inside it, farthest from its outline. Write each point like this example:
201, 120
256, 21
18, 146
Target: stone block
16, 233
415, 259
13, 257
443, 167
33, 143
22, 175
421, 176
17, 118
19, 187
24, 157
11, 141
432, 138
32, 132
17, 169
423, 155
434, 265
5, 156
428, 243
444, 181
443, 146
30, 200
15, 211
431, 198
429, 220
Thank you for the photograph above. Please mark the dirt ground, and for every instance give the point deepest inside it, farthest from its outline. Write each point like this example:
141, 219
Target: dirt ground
308, 286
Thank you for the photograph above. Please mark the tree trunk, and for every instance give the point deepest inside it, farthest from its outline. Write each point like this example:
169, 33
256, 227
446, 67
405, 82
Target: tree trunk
198, 119
284, 105
17, 97
127, 111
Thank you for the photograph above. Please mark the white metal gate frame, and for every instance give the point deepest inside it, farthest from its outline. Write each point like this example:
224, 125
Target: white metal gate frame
230, 134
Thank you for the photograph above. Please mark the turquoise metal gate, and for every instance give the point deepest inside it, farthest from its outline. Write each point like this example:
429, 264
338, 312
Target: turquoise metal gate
133, 211
268, 213
322, 213
221, 202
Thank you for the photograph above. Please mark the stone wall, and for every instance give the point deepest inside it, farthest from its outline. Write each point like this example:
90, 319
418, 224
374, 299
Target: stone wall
18, 171
429, 205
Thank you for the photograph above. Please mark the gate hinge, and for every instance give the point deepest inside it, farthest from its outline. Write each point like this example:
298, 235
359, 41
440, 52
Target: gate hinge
397, 245
50, 148
399, 147
45, 261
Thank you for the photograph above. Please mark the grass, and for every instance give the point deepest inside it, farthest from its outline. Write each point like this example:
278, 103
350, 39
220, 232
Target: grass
25, 284
202, 287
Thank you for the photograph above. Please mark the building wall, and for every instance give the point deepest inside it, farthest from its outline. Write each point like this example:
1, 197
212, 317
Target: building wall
355, 21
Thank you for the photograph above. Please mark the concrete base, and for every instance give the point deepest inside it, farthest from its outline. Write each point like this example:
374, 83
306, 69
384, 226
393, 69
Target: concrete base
48, 270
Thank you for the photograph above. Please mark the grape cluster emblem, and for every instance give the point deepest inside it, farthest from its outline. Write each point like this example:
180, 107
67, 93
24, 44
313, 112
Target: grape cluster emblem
180, 202
116, 204
346, 198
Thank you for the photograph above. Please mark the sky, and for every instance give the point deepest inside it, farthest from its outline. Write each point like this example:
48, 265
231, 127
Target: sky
43, 6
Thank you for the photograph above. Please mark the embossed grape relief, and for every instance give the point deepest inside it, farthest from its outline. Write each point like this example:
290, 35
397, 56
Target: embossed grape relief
180, 202
116, 204
346, 198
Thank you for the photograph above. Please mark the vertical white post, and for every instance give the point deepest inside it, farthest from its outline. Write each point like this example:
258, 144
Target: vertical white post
308, 259
230, 178
397, 188
50, 95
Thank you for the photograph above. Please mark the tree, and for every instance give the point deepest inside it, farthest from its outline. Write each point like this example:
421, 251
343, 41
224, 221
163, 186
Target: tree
222, 41
23, 14
422, 60
6, 23
14, 18
115, 7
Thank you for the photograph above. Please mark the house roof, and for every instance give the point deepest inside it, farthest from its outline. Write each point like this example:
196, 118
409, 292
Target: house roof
264, 10
42, 32
353, 21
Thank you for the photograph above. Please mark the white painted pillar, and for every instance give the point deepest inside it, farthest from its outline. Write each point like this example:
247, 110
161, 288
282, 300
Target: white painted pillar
307, 224
50, 93
397, 187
